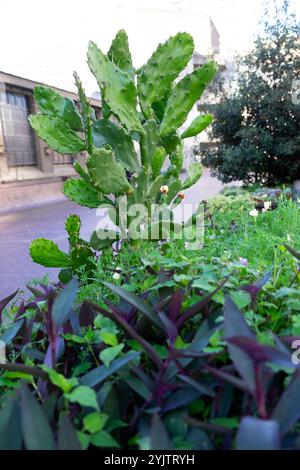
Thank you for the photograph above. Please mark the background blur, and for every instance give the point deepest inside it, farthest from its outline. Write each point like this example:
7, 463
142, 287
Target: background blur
45, 41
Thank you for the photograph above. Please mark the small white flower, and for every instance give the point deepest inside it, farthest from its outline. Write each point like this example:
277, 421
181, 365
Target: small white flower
117, 274
288, 238
267, 205
164, 189
254, 213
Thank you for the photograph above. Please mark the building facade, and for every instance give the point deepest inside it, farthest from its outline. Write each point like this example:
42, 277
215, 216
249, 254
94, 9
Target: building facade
23, 156
30, 171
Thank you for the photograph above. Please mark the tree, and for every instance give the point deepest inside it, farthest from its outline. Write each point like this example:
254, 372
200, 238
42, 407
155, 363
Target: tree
257, 124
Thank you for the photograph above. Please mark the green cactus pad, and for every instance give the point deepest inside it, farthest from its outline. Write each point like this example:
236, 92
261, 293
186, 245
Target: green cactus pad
119, 89
73, 225
177, 157
102, 238
53, 104
47, 253
81, 256
170, 173
174, 189
170, 142
57, 134
141, 182
159, 106
119, 53
148, 141
106, 132
65, 275
157, 161
107, 175
86, 111
197, 125
80, 170
184, 96
82, 192
194, 174
155, 187
162, 68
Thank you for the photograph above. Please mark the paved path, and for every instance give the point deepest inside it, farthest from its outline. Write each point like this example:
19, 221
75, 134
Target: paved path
19, 228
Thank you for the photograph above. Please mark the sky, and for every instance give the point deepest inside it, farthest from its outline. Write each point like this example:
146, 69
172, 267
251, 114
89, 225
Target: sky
46, 41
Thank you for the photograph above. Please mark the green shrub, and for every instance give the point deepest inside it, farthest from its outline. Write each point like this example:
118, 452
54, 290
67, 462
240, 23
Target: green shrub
142, 108
257, 125
170, 363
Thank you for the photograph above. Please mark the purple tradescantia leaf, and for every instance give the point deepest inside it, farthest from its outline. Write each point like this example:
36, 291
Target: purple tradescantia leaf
37, 433
98, 375
21, 311
131, 331
36, 292
5, 302
293, 252
258, 434
181, 397
144, 377
195, 309
86, 314
58, 346
10, 425
67, 437
177, 353
287, 410
235, 325
62, 305
135, 384
136, 302
200, 341
12, 331
159, 438
262, 353
226, 377
254, 289
197, 385
170, 327
175, 304
210, 427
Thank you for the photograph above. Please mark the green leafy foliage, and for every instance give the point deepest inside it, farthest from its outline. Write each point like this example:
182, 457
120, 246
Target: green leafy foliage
80, 256
82, 192
257, 121
105, 132
135, 149
197, 125
184, 96
163, 350
194, 173
57, 134
47, 253
119, 89
119, 53
158, 74
53, 104
73, 225
106, 173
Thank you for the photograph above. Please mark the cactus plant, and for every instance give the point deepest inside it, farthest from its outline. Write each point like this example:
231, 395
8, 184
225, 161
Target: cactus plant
47, 253
142, 109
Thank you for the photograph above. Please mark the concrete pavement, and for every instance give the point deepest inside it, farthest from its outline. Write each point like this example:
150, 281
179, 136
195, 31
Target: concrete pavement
19, 228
